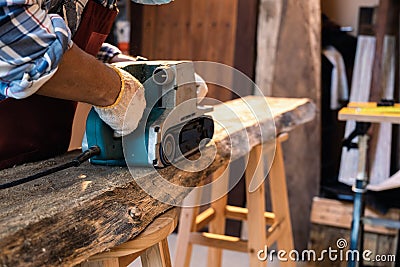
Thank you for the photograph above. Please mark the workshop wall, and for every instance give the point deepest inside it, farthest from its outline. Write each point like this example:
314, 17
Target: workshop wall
289, 65
221, 31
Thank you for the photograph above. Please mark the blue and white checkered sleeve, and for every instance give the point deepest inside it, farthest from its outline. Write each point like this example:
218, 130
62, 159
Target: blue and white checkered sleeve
107, 52
32, 44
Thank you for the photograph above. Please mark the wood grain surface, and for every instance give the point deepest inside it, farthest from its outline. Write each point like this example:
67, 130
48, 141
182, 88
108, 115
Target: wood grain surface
289, 65
64, 218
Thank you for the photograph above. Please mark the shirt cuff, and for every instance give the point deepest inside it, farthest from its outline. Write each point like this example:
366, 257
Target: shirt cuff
107, 52
28, 87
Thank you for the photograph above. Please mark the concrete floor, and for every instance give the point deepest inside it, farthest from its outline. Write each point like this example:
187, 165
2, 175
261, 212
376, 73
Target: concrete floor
199, 257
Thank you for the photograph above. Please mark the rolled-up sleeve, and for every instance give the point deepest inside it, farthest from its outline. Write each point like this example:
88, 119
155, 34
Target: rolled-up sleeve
107, 52
32, 44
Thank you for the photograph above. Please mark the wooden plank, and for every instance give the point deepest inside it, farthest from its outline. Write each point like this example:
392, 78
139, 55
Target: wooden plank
256, 205
395, 163
239, 213
380, 71
183, 245
217, 225
165, 255
219, 241
192, 30
280, 201
65, 218
246, 35
269, 26
339, 214
204, 218
291, 67
199, 31
152, 257
380, 32
149, 23
105, 263
380, 165
136, 18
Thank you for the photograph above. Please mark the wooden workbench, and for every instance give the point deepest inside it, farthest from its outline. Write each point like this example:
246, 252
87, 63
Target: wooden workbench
66, 217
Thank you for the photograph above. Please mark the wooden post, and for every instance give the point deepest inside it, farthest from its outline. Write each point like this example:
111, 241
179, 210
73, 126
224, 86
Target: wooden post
289, 65
280, 202
217, 225
186, 226
152, 257
256, 207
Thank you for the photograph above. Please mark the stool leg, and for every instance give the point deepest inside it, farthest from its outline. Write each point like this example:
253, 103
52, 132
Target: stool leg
280, 202
217, 225
103, 263
165, 256
153, 257
187, 225
256, 207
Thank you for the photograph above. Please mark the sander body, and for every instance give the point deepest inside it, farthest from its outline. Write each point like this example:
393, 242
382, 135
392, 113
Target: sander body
173, 125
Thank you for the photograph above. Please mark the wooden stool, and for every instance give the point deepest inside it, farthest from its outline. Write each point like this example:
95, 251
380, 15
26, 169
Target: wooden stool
151, 245
280, 228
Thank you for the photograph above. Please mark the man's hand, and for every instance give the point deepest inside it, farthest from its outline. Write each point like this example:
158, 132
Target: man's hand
132, 98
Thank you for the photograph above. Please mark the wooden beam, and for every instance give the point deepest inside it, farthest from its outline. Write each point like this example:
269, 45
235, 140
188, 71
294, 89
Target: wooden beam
204, 218
289, 65
239, 213
219, 241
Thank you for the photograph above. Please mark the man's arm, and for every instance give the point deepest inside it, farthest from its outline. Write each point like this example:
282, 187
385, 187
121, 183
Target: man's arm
81, 77
113, 91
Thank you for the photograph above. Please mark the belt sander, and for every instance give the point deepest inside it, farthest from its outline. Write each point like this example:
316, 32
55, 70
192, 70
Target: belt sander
173, 126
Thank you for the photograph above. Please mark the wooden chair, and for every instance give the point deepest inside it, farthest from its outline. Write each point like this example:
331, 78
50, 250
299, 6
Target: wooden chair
279, 230
151, 245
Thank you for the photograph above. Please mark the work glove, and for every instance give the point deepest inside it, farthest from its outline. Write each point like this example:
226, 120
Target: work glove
132, 98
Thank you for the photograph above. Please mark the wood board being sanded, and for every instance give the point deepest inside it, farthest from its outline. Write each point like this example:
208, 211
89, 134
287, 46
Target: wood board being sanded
65, 218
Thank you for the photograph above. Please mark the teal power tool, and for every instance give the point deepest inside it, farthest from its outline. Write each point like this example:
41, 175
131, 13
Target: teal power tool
173, 125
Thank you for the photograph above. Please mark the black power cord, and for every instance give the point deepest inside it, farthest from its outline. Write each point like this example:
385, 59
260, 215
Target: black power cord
87, 154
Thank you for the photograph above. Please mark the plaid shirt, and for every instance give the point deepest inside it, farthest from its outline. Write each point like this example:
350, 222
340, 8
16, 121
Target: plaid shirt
33, 40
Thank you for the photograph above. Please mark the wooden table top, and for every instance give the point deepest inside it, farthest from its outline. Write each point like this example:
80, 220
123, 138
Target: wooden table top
64, 218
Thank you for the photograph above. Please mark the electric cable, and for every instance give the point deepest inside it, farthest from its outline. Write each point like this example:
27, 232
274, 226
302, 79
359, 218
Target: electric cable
84, 156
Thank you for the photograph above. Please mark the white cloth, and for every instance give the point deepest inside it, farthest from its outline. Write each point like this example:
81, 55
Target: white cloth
339, 86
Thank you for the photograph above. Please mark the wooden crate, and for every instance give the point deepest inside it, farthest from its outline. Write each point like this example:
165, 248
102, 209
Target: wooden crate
331, 221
